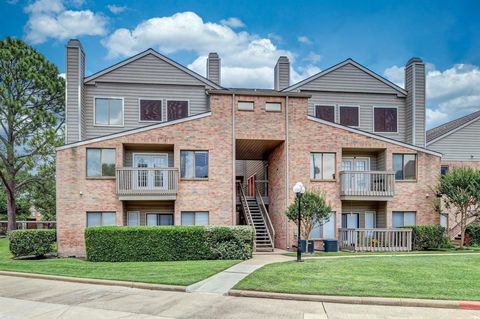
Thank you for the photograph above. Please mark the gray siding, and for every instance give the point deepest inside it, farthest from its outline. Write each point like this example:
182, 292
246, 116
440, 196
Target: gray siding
348, 78
460, 145
282, 73
366, 102
131, 92
72, 87
376, 160
415, 103
145, 207
247, 168
362, 207
149, 69
213, 68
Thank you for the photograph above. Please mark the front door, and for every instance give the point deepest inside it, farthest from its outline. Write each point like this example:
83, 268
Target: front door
148, 178
356, 181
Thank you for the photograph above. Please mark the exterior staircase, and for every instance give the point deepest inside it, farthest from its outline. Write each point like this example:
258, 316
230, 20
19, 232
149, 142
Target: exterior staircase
256, 215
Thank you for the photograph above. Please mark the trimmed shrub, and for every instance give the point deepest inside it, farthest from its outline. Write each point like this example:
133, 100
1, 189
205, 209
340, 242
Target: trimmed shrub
426, 237
166, 243
32, 242
473, 234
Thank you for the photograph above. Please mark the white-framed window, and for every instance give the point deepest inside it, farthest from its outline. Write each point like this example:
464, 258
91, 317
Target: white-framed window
101, 219
322, 166
245, 105
150, 110
327, 230
273, 106
385, 119
100, 162
195, 218
350, 115
194, 164
177, 109
325, 112
133, 218
401, 219
159, 219
108, 111
405, 166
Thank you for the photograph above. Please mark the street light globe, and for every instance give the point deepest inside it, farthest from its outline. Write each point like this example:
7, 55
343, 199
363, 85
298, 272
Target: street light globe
299, 188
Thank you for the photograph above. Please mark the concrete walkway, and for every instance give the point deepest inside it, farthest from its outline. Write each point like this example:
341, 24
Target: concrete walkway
36, 298
222, 282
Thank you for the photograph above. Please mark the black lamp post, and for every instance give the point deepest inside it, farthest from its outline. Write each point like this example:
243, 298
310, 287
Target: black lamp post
299, 189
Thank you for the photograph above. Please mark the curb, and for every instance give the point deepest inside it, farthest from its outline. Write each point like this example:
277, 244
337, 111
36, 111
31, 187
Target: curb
378, 301
105, 282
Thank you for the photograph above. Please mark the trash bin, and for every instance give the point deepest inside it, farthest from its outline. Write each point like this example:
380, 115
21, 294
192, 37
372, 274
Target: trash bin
303, 248
330, 246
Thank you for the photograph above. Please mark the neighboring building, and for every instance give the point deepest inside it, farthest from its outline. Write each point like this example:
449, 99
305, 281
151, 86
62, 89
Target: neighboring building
458, 141
149, 142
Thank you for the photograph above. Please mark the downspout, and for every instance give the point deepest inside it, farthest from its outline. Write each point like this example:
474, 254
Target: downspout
234, 156
287, 237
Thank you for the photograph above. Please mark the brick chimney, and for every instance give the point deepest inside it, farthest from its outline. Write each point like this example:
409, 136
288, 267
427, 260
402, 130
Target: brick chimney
415, 111
282, 73
75, 73
213, 67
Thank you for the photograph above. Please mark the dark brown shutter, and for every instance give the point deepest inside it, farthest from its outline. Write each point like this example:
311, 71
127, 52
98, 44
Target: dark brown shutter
325, 112
150, 110
349, 115
177, 110
385, 119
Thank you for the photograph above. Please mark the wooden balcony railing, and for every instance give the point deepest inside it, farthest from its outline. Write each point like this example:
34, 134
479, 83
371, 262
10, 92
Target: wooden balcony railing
375, 239
367, 184
147, 183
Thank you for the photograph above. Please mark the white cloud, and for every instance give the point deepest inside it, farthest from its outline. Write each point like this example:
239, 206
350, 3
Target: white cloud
304, 39
312, 57
247, 59
233, 22
275, 37
435, 117
396, 74
116, 9
50, 19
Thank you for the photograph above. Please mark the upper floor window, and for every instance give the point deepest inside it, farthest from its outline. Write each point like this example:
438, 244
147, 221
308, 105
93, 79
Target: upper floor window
101, 219
177, 109
194, 164
401, 219
325, 112
195, 218
322, 166
151, 110
100, 162
273, 107
245, 106
349, 115
109, 111
405, 166
385, 119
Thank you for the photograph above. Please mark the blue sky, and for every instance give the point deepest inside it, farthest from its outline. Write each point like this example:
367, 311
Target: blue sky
250, 35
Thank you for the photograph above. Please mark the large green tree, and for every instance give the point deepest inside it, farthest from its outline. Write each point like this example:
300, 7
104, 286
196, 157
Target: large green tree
460, 191
31, 114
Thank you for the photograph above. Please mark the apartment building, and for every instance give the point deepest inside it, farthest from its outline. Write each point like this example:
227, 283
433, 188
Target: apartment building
150, 142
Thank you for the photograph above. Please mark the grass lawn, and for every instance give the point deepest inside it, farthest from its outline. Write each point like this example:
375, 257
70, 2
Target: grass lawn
431, 277
172, 272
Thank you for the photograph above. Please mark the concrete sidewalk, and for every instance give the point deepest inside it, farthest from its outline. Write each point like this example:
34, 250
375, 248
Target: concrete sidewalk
222, 282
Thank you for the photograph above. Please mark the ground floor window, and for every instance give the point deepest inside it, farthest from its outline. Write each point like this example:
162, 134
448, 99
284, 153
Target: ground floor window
101, 219
401, 219
133, 219
195, 218
443, 169
325, 231
158, 219
350, 220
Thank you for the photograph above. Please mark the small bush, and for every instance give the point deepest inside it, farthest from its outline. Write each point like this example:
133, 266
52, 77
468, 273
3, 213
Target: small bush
113, 243
32, 242
426, 237
473, 234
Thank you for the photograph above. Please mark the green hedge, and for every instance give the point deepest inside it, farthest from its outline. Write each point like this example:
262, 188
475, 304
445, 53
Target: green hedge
473, 232
113, 243
32, 242
429, 237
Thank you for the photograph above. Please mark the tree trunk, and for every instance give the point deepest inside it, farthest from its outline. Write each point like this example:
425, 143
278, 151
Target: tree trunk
463, 222
11, 207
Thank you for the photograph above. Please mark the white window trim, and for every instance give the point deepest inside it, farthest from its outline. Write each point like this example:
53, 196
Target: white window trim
95, 111
277, 103
373, 117
194, 165
244, 109
374, 217
153, 154
159, 213
335, 117
151, 99
403, 213
194, 212
349, 105
403, 167
334, 213
179, 100
138, 215
353, 158
101, 161
101, 217
335, 166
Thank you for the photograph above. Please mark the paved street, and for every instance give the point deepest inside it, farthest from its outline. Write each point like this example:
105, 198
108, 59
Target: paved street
36, 298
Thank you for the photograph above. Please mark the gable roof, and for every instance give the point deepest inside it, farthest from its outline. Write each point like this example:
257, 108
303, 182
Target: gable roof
341, 64
161, 57
375, 136
448, 128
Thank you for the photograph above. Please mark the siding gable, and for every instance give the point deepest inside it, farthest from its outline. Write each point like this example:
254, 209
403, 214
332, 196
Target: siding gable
348, 78
148, 69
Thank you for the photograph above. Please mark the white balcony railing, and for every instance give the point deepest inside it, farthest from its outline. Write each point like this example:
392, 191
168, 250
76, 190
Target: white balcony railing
367, 183
133, 181
375, 239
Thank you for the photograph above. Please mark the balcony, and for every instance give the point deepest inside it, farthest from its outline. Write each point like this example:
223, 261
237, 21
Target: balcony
367, 185
147, 183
